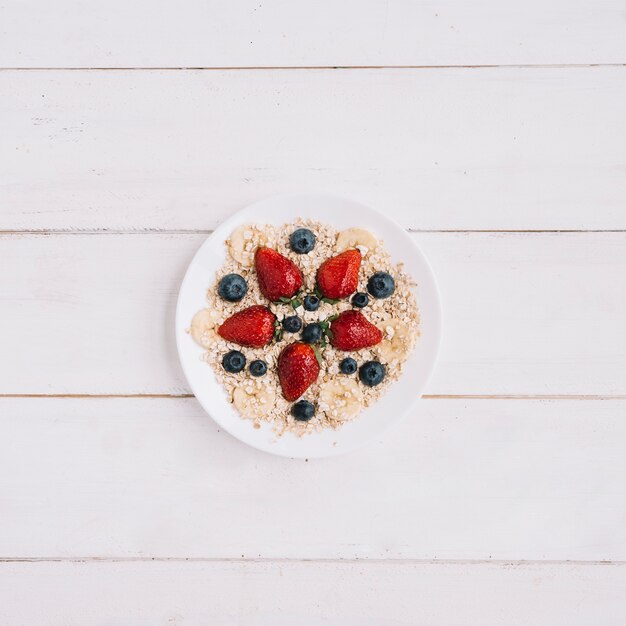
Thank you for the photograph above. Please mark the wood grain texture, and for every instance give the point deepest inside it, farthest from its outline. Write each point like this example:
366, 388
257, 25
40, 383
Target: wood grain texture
502, 148
459, 479
536, 144
68, 33
328, 594
523, 313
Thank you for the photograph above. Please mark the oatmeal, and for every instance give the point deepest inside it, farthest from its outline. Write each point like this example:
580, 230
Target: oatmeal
305, 326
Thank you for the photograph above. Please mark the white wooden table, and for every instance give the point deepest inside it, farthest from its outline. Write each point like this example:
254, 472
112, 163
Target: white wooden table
495, 132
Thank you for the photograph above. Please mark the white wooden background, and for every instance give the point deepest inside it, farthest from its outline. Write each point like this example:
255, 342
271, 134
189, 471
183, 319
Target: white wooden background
494, 131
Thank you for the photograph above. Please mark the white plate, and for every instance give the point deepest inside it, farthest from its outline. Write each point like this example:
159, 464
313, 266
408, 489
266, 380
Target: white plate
401, 397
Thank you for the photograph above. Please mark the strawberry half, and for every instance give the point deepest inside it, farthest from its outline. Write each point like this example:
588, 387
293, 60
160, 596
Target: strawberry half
297, 369
352, 331
278, 276
338, 276
253, 327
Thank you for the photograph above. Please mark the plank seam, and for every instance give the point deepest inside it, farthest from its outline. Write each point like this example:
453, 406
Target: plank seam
309, 67
349, 561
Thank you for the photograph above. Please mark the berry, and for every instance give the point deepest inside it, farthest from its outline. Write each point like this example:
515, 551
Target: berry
348, 366
302, 241
298, 369
360, 300
233, 361
372, 373
252, 327
278, 276
352, 331
312, 333
292, 324
258, 368
232, 287
338, 276
303, 411
381, 285
311, 303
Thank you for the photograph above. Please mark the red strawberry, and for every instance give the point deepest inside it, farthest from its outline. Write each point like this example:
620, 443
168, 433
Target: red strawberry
338, 276
252, 327
297, 369
352, 331
278, 276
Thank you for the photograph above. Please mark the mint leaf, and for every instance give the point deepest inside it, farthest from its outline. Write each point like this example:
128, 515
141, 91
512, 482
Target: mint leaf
318, 355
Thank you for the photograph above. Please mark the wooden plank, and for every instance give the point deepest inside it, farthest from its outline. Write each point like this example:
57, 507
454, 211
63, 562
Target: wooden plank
540, 148
316, 594
279, 33
523, 313
460, 479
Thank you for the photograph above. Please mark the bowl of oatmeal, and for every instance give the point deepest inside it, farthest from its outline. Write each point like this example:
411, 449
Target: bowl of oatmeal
307, 324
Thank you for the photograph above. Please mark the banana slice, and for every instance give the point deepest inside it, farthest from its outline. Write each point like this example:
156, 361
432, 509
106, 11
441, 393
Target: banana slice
396, 343
243, 242
341, 397
203, 327
356, 238
255, 403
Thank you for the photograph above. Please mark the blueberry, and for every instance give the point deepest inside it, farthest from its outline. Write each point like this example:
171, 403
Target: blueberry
292, 324
311, 303
303, 410
360, 299
372, 373
348, 366
258, 368
381, 285
302, 241
234, 361
312, 333
232, 287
